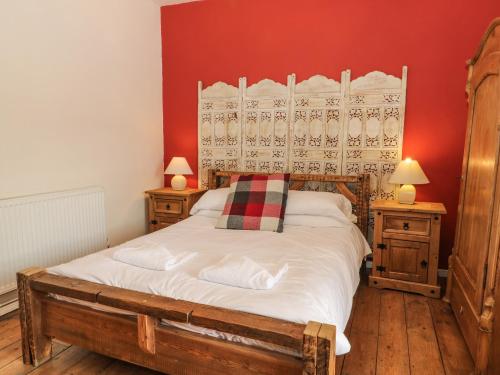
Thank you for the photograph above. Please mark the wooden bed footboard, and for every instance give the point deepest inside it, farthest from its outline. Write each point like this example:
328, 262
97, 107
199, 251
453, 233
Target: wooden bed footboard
141, 339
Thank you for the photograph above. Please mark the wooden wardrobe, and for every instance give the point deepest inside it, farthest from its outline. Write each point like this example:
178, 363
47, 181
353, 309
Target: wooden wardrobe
474, 272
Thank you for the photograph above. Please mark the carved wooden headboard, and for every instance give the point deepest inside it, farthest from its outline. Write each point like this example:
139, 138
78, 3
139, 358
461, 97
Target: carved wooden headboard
354, 188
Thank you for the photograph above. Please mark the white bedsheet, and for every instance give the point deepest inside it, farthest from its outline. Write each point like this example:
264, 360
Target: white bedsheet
322, 277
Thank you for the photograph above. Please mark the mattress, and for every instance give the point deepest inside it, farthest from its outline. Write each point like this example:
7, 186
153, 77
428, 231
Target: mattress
322, 277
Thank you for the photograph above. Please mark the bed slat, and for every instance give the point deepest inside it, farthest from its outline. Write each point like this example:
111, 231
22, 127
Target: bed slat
66, 286
276, 331
125, 299
144, 303
146, 326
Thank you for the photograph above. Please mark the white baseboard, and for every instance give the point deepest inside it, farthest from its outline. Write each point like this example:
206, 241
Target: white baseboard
8, 301
7, 308
442, 272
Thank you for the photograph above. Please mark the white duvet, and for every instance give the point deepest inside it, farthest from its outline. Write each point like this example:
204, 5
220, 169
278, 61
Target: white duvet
322, 277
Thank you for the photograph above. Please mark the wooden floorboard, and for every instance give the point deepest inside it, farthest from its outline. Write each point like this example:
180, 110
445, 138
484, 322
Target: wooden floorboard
17, 367
392, 355
339, 363
10, 332
425, 357
390, 333
91, 364
454, 352
364, 334
10, 353
62, 363
124, 368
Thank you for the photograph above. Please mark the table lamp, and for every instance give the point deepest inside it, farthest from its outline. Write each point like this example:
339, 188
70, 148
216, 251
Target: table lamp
178, 166
408, 173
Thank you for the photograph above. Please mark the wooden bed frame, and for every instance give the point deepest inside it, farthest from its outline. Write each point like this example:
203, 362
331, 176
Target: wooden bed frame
141, 338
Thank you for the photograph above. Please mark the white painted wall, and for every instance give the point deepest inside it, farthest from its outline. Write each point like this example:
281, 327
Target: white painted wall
174, 2
81, 102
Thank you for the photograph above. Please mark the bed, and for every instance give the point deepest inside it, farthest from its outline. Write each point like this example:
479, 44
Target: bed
173, 322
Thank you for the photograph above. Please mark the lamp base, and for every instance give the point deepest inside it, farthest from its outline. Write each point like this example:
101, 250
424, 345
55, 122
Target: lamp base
178, 182
407, 194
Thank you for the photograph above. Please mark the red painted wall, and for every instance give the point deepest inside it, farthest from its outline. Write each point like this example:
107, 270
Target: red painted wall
221, 40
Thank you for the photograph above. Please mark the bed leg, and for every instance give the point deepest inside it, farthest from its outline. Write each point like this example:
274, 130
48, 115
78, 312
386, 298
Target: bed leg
37, 347
319, 349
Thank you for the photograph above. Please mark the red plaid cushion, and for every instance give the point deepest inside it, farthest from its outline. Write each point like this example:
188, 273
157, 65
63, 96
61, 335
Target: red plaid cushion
256, 202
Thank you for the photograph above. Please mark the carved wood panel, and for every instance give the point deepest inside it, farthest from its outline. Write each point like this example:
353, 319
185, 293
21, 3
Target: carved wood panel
265, 127
373, 128
219, 129
318, 125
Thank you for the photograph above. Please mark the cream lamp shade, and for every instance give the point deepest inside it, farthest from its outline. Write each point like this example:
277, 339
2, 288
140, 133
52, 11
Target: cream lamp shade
178, 166
408, 173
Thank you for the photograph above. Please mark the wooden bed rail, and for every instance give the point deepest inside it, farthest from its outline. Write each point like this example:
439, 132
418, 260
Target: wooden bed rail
139, 338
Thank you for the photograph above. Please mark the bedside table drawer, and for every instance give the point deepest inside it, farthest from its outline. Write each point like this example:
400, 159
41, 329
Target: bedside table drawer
411, 225
161, 221
168, 206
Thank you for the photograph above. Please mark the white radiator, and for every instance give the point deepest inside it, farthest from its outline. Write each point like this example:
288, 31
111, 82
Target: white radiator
45, 230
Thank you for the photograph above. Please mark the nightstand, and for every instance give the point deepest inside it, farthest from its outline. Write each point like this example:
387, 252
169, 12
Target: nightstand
168, 206
406, 246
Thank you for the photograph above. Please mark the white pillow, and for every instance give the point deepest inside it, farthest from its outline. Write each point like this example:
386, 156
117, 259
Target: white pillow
299, 220
313, 203
213, 199
209, 213
317, 221
318, 203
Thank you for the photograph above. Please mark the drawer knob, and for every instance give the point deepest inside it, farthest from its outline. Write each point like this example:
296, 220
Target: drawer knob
423, 264
154, 222
168, 207
406, 226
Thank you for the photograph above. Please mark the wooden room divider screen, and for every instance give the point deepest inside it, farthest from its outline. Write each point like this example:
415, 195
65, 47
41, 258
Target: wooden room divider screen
316, 126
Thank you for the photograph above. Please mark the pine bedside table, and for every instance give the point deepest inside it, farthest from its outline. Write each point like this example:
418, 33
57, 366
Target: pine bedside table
168, 206
406, 246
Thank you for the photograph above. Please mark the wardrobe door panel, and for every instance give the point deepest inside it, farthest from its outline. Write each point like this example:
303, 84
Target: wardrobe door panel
473, 241
466, 318
473, 282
